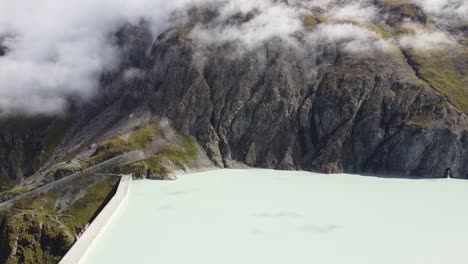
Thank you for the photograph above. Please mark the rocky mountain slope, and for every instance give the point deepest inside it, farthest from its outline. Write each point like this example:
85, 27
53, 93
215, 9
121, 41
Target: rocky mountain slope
312, 101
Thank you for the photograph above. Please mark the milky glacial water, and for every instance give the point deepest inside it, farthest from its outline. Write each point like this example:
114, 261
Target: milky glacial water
265, 216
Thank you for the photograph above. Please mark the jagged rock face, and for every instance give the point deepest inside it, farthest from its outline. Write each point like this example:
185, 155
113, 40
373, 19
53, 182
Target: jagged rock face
312, 107
317, 109
20, 147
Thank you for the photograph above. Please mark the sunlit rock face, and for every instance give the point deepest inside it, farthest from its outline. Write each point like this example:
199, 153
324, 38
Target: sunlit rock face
154, 88
263, 216
315, 105
330, 87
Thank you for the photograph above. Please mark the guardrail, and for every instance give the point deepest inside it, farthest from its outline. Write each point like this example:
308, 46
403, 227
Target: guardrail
78, 252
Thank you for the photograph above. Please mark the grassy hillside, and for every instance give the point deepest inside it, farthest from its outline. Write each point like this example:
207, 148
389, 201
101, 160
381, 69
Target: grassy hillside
40, 229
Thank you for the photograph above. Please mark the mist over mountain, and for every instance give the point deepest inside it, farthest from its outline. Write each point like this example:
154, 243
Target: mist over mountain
57, 51
157, 88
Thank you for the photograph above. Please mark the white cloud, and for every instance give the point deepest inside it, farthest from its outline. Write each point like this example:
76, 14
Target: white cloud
351, 38
58, 49
419, 38
426, 41
270, 21
448, 10
353, 11
132, 74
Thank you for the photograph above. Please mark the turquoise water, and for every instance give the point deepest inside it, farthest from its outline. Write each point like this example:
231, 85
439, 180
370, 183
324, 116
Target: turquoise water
264, 216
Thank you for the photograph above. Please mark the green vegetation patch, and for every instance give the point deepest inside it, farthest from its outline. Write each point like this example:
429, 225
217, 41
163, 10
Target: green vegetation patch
6, 183
6, 195
379, 29
184, 33
464, 41
443, 72
150, 167
64, 170
165, 161
39, 229
421, 122
310, 22
107, 150
142, 136
38, 238
138, 169
81, 211
407, 9
181, 154
312, 19
30, 226
44, 201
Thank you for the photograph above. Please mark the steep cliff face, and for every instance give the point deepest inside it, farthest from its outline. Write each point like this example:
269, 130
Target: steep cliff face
302, 103
313, 107
307, 102
310, 105
20, 149
317, 110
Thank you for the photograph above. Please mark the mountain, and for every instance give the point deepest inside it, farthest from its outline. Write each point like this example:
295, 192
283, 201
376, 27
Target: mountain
179, 101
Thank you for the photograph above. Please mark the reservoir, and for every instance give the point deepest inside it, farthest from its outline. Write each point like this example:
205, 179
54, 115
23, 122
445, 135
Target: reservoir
266, 216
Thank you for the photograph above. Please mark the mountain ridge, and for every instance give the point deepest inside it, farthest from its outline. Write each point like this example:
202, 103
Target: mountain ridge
177, 101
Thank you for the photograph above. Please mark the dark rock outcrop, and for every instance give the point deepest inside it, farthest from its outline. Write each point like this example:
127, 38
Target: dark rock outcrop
310, 107
21, 146
274, 106
331, 112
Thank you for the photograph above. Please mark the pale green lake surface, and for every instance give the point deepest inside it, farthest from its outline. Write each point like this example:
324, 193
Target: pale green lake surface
268, 217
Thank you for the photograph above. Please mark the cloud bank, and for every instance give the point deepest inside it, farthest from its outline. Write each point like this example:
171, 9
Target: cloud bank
419, 38
273, 21
448, 10
54, 50
57, 49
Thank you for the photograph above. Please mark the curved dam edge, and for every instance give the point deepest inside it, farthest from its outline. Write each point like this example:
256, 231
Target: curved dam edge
78, 252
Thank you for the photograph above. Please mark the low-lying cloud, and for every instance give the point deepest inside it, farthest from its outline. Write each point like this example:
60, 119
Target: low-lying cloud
269, 21
57, 50
419, 38
349, 37
356, 11
448, 10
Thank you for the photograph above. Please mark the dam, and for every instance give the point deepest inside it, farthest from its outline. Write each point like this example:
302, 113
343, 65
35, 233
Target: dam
266, 216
